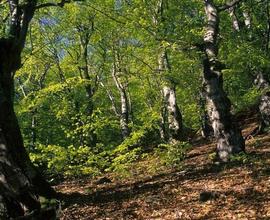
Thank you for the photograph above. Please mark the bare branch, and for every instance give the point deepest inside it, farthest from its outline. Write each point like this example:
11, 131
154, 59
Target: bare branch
228, 5
52, 4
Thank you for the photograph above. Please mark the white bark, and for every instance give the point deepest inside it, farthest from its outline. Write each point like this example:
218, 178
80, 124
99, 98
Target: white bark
124, 109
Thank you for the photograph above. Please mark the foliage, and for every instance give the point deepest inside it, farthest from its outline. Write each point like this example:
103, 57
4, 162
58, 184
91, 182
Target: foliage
66, 99
132, 149
70, 161
245, 158
172, 154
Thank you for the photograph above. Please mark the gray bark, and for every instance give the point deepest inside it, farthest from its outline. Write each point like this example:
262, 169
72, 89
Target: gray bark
263, 84
171, 118
235, 22
173, 115
207, 130
228, 135
170, 112
162, 127
90, 87
124, 102
247, 19
112, 99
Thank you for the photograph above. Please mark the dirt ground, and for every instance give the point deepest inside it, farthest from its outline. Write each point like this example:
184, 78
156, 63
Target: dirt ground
239, 190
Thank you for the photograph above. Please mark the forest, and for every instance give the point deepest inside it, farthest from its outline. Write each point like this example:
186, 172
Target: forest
134, 109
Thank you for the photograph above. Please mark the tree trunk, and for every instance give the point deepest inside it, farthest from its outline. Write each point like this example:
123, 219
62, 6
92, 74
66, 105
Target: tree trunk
90, 89
173, 114
235, 22
33, 129
124, 112
263, 84
228, 135
20, 181
170, 111
207, 130
33, 134
247, 19
162, 126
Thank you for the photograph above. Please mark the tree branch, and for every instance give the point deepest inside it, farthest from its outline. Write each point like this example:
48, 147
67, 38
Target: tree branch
228, 5
52, 4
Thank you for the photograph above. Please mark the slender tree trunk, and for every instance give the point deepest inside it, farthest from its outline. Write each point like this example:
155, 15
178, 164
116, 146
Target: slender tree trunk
228, 135
84, 71
162, 127
170, 111
268, 28
235, 22
207, 130
247, 19
33, 129
124, 112
33, 135
263, 84
112, 99
173, 116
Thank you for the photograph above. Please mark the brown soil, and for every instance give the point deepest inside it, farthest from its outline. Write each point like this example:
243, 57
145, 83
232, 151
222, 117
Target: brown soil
242, 189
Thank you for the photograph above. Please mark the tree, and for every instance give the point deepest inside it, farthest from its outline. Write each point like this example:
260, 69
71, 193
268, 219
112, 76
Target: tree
172, 114
117, 71
20, 182
229, 137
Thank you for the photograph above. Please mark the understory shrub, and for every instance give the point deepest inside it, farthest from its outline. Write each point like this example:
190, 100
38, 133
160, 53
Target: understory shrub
172, 154
70, 161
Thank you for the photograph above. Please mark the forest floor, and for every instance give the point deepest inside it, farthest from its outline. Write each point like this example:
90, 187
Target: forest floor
238, 190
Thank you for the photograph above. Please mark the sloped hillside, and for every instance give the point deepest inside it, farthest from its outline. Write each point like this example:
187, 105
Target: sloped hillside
199, 190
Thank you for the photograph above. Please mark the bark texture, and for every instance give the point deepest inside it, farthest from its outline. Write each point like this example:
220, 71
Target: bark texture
263, 84
207, 130
172, 114
124, 101
228, 135
20, 183
235, 22
171, 118
19, 179
85, 34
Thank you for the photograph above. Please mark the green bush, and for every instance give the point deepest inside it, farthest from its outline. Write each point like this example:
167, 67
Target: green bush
126, 153
172, 154
70, 161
